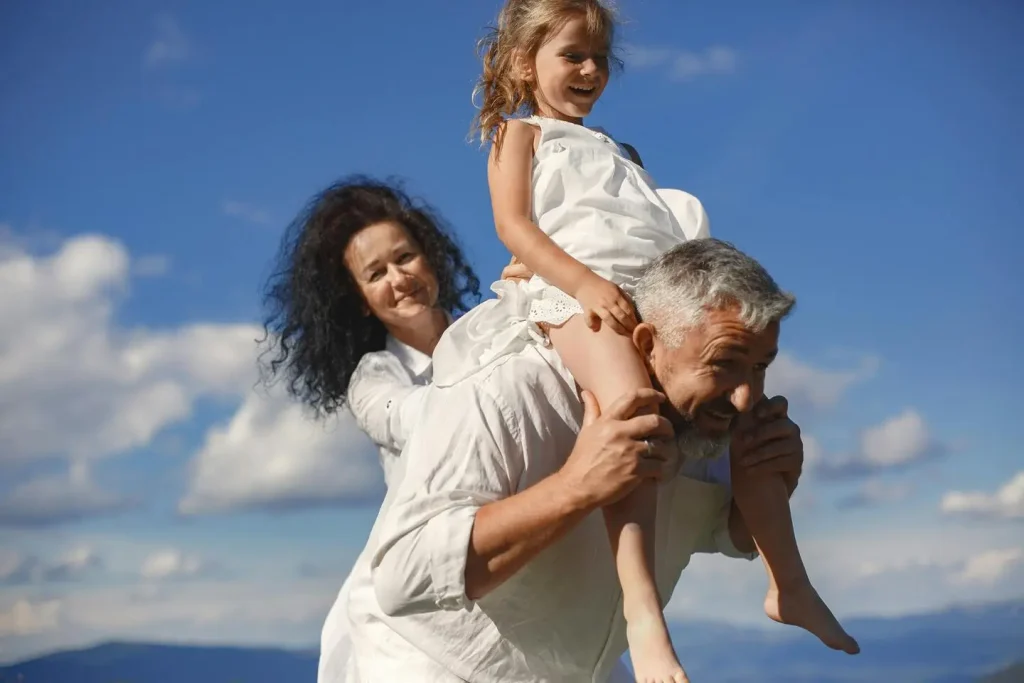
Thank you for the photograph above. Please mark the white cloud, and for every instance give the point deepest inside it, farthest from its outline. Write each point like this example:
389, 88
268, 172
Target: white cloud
18, 569
813, 389
1007, 502
895, 570
73, 564
169, 46
879, 571
812, 450
898, 442
684, 65
74, 384
15, 569
271, 454
281, 613
714, 61
246, 212
641, 56
876, 492
153, 265
990, 566
53, 499
29, 618
171, 563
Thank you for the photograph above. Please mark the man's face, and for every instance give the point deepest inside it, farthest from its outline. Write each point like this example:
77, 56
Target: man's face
715, 374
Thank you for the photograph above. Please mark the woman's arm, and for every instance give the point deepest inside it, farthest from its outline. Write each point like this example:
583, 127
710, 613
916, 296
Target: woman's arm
384, 400
510, 177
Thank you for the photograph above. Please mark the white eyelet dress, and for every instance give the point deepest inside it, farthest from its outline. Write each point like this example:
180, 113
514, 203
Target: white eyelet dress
600, 208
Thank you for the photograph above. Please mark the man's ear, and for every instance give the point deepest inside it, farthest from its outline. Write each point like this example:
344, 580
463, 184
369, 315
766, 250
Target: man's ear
644, 340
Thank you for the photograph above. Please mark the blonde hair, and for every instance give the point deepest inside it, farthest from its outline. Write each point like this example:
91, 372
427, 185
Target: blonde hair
523, 26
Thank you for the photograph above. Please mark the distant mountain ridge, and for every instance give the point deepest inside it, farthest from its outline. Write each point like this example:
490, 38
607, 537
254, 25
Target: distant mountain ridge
962, 645
1011, 674
959, 645
122, 662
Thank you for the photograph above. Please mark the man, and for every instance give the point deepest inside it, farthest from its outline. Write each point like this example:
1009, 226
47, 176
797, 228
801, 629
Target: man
490, 562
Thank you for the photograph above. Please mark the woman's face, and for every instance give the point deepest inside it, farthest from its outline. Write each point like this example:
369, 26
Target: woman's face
391, 271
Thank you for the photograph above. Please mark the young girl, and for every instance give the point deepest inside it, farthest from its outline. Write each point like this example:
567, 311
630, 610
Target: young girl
580, 211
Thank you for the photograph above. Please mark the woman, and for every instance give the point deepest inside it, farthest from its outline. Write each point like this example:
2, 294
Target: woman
366, 283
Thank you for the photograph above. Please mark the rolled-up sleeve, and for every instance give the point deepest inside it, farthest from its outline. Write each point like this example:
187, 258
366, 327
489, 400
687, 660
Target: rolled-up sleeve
462, 456
384, 400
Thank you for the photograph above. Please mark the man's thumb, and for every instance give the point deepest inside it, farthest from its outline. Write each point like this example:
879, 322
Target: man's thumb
591, 411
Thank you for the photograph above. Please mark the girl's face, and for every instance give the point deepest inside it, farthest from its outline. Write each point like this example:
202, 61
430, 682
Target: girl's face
569, 72
392, 273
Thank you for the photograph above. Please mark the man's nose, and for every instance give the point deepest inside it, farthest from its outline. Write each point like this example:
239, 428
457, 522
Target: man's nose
742, 398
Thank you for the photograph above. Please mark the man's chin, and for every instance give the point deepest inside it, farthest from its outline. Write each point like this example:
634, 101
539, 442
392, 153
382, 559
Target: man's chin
697, 440
697, 446
713, 429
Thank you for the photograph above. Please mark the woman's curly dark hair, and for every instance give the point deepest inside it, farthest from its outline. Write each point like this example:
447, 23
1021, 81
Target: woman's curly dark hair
315, 321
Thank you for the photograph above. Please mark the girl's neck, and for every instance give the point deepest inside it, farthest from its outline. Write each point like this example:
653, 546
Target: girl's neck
544, 114
422, 332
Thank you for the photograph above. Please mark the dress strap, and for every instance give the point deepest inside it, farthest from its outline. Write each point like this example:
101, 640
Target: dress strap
541, 124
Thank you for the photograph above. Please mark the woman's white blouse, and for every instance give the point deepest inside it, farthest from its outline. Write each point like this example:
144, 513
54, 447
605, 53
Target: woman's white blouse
385, 395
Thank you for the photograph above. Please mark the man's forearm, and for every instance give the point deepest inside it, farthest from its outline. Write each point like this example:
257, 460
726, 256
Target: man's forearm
739, 534
509, 533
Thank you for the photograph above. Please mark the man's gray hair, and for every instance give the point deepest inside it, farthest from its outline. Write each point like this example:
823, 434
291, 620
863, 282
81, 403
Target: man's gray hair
681, 285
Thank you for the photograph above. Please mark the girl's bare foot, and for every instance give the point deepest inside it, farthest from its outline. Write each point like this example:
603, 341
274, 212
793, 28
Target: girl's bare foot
650, 649
802, 606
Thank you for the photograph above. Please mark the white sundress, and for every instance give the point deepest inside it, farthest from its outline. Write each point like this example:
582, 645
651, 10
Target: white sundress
598, 206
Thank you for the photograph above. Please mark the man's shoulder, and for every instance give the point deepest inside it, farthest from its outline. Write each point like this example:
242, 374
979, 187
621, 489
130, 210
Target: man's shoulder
521, 384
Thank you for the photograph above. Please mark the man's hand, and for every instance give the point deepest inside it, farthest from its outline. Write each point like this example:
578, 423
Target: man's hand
766, 442
516, 270
611, 458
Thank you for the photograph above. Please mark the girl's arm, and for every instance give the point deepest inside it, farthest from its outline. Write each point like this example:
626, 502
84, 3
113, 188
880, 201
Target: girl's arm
510, 177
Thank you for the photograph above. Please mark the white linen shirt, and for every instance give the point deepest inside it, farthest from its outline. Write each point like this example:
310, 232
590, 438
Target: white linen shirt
558, 619
385, 394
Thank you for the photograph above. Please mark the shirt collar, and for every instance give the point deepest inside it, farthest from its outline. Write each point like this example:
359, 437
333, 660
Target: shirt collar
417, 361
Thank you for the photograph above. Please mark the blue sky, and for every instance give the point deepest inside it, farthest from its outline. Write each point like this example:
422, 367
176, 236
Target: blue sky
870, 154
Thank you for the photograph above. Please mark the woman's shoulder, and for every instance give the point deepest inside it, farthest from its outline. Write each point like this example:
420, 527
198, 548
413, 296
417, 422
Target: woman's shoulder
376, 367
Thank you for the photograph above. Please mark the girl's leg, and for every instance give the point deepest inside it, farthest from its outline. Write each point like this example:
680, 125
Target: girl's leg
791, 599
608, 365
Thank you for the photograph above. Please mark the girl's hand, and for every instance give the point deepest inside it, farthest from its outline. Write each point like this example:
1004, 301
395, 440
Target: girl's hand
516, 270
602, 301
